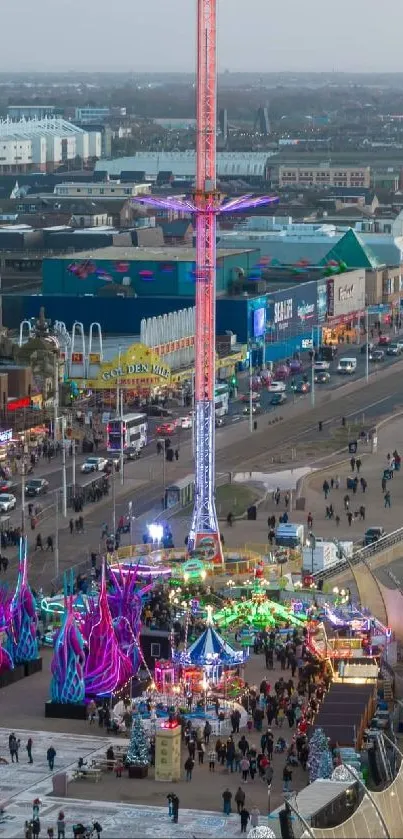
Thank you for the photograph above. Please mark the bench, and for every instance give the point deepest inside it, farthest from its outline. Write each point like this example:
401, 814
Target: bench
103, 765
90, 773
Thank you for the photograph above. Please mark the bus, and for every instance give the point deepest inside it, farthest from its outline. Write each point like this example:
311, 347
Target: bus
132, 428
221, 400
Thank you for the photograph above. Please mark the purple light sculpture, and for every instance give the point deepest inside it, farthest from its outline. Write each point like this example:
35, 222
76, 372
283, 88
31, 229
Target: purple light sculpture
22, 643
187, 205
67, 685
107, 668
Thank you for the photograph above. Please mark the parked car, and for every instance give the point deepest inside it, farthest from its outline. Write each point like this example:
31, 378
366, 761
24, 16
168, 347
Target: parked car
276, 387
393, 349
302, 387
36, 486
322, 377
7, 503
278, 399
377, 355
246, 397
372, 534
94, 464
166, 428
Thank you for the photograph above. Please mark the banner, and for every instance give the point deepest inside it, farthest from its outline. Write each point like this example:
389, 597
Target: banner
138, 365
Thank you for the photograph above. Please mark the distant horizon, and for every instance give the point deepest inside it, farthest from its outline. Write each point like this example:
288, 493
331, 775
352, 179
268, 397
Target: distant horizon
170, 72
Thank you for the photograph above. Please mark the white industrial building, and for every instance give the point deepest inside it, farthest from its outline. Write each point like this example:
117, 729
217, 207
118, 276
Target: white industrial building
42, 145
183, 164
112, 189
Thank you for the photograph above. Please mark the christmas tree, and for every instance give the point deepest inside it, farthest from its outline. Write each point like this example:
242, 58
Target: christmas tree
320, 762
137, 753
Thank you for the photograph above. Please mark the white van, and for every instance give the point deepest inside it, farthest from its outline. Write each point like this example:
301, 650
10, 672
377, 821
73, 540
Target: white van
347, 366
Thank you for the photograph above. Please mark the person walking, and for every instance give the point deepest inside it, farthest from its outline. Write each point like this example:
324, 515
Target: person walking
189, 764
349, 518
175, 808
326, 488
49, 543
200, 751
352, 463
309, 521
212, 758
71, 526
358, 464
227, 798
287, 778
245, 768
245, 816
239, 799
254, 816
61, 826
387, 499
13, 745
36, 828
30, 743
50, 757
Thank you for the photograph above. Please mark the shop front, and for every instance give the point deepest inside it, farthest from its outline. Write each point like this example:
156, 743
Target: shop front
291, 321
345, 307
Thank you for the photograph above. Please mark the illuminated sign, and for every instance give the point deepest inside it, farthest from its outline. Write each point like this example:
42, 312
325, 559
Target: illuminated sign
346, 292
6, 436
136, 369
283, 310
18, 404
94, 357
77, 358
138, 365
173, 346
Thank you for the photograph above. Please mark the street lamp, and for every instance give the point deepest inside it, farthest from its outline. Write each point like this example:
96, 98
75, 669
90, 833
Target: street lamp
312, 542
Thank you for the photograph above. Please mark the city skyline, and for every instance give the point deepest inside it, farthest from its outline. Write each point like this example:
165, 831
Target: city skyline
254, 36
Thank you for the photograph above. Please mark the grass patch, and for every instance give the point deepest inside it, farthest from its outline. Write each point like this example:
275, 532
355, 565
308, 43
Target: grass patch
235, 499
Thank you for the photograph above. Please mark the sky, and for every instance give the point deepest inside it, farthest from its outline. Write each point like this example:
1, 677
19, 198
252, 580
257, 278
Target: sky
159, 35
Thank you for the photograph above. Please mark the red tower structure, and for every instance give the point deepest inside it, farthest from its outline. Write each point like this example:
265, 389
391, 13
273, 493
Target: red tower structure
206, 204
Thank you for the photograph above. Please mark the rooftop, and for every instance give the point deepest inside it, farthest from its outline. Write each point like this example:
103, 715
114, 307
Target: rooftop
149, 254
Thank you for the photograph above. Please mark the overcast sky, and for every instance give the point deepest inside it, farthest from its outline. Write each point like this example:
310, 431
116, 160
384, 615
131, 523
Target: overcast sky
254, 35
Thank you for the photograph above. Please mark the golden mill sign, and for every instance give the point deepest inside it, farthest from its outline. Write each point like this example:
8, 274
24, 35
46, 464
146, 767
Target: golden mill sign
138, 365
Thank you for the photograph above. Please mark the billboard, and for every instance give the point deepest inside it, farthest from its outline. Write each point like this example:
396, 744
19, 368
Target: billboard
321, 304
259, 322
348, 293
138, 365
292, 310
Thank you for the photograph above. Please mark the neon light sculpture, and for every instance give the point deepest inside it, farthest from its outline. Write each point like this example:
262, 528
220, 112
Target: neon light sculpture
6, 662
125, 605
258, 613
67, 685
107, 668
22, 643
206, 205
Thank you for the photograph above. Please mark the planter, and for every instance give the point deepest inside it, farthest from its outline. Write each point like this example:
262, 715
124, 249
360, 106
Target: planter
32, 667
65, 711
137, 771
8, 677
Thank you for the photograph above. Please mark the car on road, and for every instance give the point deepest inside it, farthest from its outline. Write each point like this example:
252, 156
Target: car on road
255, 409
377, 355
219, 422
384, 340
157, 411
322, 377
296, 365
36, 486
6, 486
321, 365
282, 373
246, 397
166, 428
94, 464
278, 399
327, 352
370, 345
302, 387
393, 349
7, 502
186, 422
372, 534
276, 387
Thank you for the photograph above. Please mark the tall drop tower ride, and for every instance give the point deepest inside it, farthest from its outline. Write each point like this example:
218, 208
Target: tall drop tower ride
206, 203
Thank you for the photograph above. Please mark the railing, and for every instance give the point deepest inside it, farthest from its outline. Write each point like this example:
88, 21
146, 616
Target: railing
363, 554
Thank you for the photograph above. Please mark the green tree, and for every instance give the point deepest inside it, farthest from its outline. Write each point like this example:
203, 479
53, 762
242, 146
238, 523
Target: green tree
320, 762
137, 753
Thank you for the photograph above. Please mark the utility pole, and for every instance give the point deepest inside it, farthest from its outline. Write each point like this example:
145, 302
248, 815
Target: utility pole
73, 443
367, 344
56, 396
64, 475
122, 463
313, 372
57, 533
113, 501
23, 473
250, 390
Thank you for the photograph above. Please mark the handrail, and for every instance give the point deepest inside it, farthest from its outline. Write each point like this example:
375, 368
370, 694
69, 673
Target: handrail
362, 554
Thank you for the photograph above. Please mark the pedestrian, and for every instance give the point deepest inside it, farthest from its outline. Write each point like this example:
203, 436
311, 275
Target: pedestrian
200, 752
51, 833
383, 484
254, 816
358, 464
36, 828
49, 543
239, 799
29, 749
189, 764
352, 463
362, 512
309, 521
363, 484
230, 519
61, 826
98, 829
50, 757
118, 767
349, 518
207, 732
326, 488
175, 808
287, 778
227, 798
212, 758
13, 745
38, 543
346, 500
245, 768
176, 454
387, 499
92, 712
71, 527
244, 814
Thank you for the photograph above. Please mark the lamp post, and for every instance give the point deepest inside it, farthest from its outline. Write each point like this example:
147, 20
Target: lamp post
312, 542
367, 344
313, 371
250, 390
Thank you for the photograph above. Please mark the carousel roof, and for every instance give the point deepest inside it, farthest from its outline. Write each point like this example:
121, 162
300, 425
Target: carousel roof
211, 646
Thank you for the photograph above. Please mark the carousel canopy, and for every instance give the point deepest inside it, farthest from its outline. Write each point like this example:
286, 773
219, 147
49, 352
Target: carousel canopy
211, 648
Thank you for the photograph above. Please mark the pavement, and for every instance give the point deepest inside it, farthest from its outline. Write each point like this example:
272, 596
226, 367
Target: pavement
200, 800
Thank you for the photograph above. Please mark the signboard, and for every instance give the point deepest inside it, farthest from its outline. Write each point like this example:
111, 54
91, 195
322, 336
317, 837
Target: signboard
173, 346
137, 366
292, 308
94, 358
330, 297
379, 309
77, 358
19, 404
348, 293
6, 436
321, 306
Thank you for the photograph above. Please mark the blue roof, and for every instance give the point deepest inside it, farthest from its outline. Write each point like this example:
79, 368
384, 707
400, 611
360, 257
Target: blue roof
211, 646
